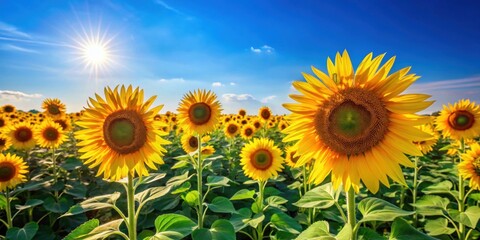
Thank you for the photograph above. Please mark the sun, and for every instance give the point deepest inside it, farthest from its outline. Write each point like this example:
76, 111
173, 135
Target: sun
95, 54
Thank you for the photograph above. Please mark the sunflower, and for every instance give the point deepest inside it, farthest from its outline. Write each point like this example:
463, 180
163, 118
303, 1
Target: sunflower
461, 120
65, 123
469, 168
54, 108
426, 145
247, 131
356, 125
291, 156
455, 145
261, 160
12, 171
264, 113
5, 142
49, 134
119, 133
3, 121
21, 136
189, 142
256, 123
282, 125
8, 108
231, 129
199, 112
208, 150
242, 112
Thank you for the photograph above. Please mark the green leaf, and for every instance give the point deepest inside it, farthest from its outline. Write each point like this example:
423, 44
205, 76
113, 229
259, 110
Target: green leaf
153, 177
172, 226
217, 181
401, 230
178, 180
180, 164
441, 187
276, 201
316, 198
316, 230
183, 188
71, 164
3, 201
29, 204
61, 206
470, 217
283, 222
94, 203
191, 198
474, 196
345, 233
25, 233
103, 231
221, 230
221, 205
76, 189
83, 229
368, 234
240, 219
431, 205
145, 234
256, 219
374, 209
151, 194
243, 194
438, 226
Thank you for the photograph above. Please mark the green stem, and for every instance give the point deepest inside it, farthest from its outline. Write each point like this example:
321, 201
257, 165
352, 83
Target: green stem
461, 193
8, 209
351, 211
199, 183
261, 188
132, 223
304, 173
414, 193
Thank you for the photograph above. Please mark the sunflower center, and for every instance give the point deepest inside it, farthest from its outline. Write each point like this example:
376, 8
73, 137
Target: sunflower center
261, 159
352, 121
293, 158
193, 142
232, 128
50, 134
461, 120
7, 171
265, 114
62, 123
8, 109
23, 134
2, 122
3, 141
124, 131
199, 113
256, 124
248, 132
53, 109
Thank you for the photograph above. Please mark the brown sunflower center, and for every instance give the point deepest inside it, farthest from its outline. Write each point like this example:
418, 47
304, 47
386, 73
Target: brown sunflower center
461, 120
8, 109
352, 121
3, 142
2, 122
53, 109
50, 134
62, 123
193, 142
248, 132
23, 134
261, 159
293, 158
257, 125
232, 128
7, 171
199, 113
124, 131
242, 113
265, 114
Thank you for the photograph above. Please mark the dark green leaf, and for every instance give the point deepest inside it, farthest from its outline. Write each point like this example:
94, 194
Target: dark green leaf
438, 226
470, 217
431, 205
401, 230
283, 222
240, 218
316, 230
94, 203
103, 231
441, 187
243, 194
368, 234
25, 233
61, 206
183, 188
374, 209
316, 198
221, 205
83, 229
151, 194
221, 230
29, 204
172, 226
217, 181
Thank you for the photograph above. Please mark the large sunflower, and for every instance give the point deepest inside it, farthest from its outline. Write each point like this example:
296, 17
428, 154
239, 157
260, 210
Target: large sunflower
49, 134
199, 112
54, 108
356, 125
469, 168
12, 171
21, 136
261, 160
119, 133
461, 120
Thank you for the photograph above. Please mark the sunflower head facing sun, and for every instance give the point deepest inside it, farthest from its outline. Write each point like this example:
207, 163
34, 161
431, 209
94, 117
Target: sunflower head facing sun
49, 134
461, 120
469, 168
21, 136
12, 171
261, 160
120, 134
356, 124
199, 112
54, 108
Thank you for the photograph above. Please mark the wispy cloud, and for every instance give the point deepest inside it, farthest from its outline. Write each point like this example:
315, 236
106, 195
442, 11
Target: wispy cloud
267, 99
8, 94
237, 97
12, 31
11, 47
172, 80
232, 84
449, 84
217, 84
170, 8
264, 49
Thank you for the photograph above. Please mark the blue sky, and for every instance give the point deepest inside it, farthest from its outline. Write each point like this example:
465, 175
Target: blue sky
248, 52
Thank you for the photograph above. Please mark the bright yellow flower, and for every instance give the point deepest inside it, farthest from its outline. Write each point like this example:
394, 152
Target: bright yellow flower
119, 133
247, 131
426, 145
290, 156
49, 134
12, 171
8, 108
469, 168
261, 160
21, 136
189, 142
356, 125
54, 108
264, 113
5, 142
231, 129
199, 112
461, 120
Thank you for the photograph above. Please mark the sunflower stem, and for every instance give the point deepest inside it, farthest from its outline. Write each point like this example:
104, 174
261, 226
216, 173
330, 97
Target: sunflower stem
8, 209
55, 177
414, 193
352, 221
132, 223
261, 188
461, 192
199, 183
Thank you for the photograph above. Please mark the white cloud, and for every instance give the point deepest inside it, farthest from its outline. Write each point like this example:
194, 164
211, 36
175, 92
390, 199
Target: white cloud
10, 30
264, 49
237, 97
10, 47
171, 80
7, 94
267, 99
232, 84
217, 84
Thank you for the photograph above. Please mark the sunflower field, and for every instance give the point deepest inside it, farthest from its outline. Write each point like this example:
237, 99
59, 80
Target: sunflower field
352, 160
